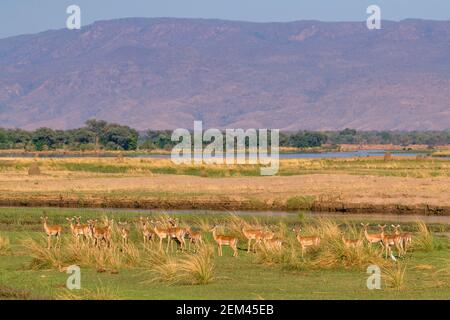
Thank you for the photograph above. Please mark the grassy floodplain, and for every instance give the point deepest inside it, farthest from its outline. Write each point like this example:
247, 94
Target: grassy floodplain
330, 271
406, 185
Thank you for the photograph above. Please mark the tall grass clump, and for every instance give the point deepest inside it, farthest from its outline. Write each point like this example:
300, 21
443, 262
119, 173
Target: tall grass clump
332, 253
99, 293
5, 245
166, 271
88, 256
424, 240
42, 257
287, 258
395, 276
198, 268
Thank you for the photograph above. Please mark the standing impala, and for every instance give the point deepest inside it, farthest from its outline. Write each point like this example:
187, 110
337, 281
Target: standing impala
77, 231
222, 240
405, 237
177, 233
252, 234
195, 238
374, 237
51, 231
124, 232
102, 233
147, 230
305, 242
162, 234
86, 229
392, 240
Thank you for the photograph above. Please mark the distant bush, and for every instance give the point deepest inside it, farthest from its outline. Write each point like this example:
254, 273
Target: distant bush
34, 170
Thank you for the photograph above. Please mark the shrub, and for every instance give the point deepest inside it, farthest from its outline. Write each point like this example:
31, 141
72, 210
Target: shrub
34, 170
5, 246
300, 203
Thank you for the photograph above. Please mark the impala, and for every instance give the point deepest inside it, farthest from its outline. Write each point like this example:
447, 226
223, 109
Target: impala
51, 231
374, 237
195, 238
124, 232
147, 230
77, 231
177, 233
305, 242
162, 234
392, 240
85, 228
406, 237
102, 233
222, 240
252, 234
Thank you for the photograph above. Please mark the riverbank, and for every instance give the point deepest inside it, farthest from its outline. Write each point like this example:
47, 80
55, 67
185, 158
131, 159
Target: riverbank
403, 186
338, 185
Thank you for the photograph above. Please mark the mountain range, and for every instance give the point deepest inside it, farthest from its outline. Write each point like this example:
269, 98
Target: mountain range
164, 73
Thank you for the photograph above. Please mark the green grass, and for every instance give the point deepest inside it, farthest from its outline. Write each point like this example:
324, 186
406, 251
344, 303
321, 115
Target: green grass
228, 278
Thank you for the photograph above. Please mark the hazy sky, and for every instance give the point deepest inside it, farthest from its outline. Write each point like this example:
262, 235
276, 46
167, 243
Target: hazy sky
31, 16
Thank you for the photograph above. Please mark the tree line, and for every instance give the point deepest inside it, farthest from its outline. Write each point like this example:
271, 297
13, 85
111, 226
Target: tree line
99, 134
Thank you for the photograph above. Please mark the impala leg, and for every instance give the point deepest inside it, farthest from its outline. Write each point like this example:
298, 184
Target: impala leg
168, 243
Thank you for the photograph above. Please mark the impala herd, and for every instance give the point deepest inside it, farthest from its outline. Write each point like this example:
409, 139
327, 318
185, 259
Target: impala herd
169, 230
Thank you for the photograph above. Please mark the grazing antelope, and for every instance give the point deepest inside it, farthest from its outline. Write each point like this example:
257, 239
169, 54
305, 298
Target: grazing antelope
406, 237
195, 238
102, 233
305, 242
124, 232
147, 230
51, 230
222, 240
252, 234
348, 243
374, 237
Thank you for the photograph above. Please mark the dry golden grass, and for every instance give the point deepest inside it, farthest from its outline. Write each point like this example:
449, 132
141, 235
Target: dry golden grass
97, 181
99, 293
195, 269
395, 276
5, 245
